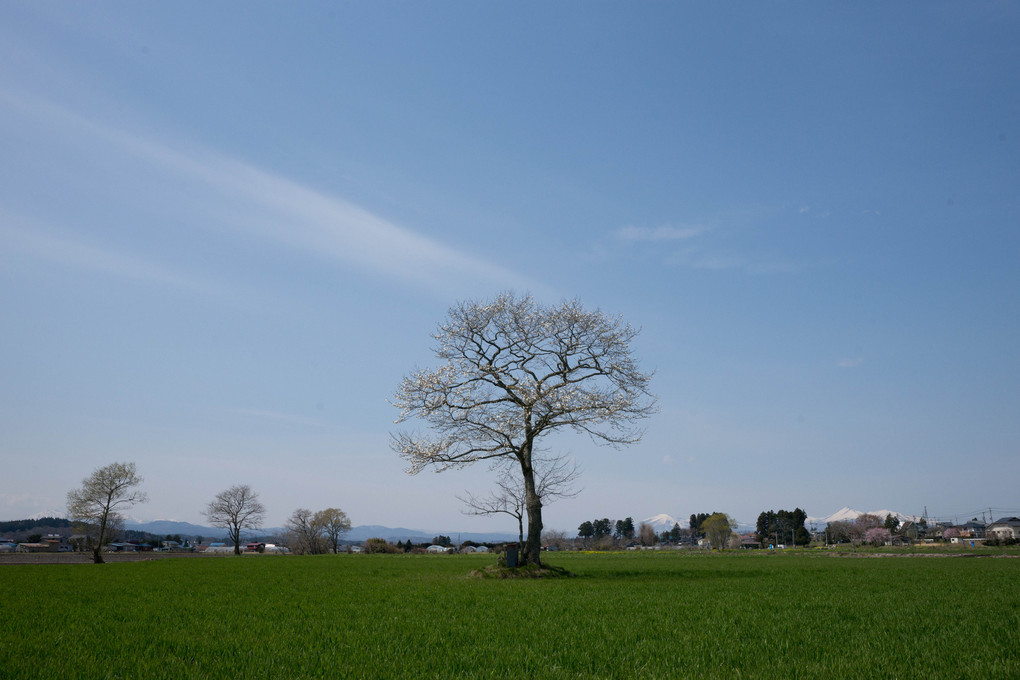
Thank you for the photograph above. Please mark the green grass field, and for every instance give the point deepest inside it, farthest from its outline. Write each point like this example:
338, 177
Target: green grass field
624, 615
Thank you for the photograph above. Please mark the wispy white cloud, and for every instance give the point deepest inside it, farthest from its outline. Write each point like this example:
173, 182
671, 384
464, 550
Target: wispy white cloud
852, 362
663, 233
229, 194
711, 246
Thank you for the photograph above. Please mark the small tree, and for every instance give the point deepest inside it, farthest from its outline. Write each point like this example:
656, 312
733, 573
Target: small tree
236, 509
555, 480
555, 538
378, 545
333, 523
877, 535
646, 534
514, 371
100, 500
304, 533
717, 529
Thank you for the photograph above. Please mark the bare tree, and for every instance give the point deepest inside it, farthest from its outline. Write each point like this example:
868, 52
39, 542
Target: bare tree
513, 372
554, 479
304, 533
99, 501
236, 509
557, 539
333, 523
646, 534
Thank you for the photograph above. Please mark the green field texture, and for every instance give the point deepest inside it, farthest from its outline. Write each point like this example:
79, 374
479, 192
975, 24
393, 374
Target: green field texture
623, 615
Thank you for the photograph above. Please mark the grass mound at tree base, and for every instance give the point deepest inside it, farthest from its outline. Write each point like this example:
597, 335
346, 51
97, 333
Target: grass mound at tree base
525, 571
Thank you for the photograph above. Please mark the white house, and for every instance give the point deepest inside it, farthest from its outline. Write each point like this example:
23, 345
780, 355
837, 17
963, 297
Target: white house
1007, 527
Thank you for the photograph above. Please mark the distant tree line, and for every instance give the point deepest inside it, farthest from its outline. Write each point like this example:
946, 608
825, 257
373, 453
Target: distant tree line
601, 528
605, 533
28, 524
782, 526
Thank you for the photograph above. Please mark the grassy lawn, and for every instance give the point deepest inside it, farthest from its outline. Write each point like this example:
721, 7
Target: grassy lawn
654, 615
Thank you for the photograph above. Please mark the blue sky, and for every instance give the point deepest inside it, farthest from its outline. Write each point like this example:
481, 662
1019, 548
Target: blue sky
227, 231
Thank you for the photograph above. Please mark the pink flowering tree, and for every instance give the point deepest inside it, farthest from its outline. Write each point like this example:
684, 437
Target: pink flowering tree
877, 536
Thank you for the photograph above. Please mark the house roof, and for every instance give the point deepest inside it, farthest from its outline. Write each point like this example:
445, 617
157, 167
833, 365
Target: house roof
1005, 521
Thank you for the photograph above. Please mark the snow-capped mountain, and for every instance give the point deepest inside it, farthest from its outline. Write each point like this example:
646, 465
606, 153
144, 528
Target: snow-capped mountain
662, 522
48, 513
848, 514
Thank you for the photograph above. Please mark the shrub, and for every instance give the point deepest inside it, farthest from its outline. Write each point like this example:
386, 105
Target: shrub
380, 545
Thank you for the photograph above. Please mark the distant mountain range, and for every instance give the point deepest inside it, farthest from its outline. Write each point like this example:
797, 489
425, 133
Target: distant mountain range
359, 533
849, 515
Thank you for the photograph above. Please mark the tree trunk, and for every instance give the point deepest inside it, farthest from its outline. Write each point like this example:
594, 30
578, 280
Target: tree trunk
97, 552
533, 503
235, 536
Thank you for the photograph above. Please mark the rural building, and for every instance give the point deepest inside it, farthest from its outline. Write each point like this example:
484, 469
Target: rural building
973, 529
34, 547
1007, 527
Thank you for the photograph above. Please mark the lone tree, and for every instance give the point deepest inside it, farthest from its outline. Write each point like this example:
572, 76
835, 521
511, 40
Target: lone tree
235, 509
717, 528
102, 496
304, 533
554, 479
514, 371
334, 523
